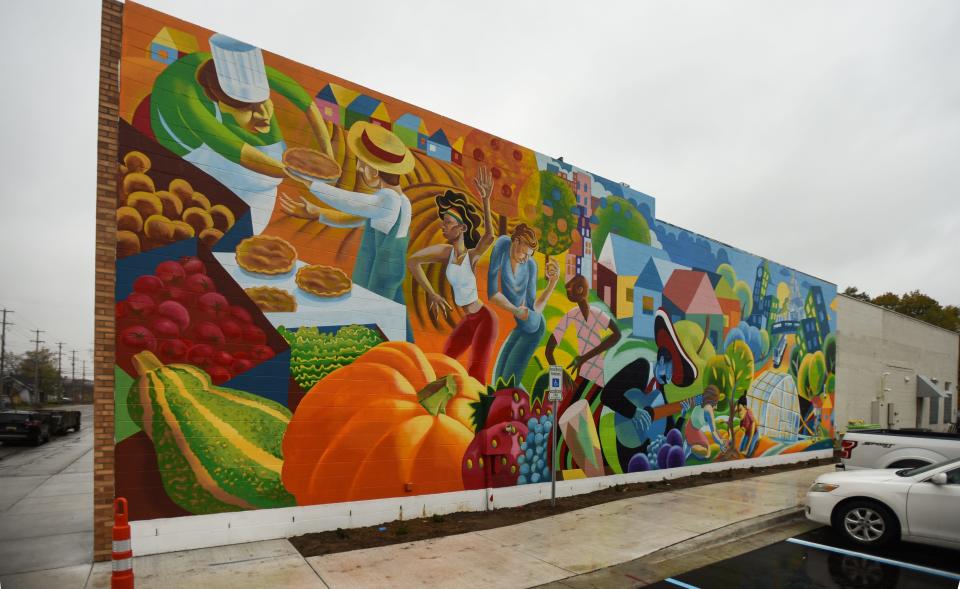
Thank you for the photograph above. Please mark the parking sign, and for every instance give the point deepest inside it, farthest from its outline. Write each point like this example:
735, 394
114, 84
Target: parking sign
555, 390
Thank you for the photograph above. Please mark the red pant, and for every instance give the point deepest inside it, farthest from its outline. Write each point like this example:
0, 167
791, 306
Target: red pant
478, 332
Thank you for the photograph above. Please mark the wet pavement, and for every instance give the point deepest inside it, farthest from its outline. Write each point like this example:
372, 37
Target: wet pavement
820, 558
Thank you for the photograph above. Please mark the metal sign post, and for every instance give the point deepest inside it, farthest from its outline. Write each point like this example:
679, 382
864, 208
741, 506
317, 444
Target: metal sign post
555, 393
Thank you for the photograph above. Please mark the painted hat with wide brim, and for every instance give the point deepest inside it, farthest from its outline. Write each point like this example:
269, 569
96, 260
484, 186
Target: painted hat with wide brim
684, 369
379, 148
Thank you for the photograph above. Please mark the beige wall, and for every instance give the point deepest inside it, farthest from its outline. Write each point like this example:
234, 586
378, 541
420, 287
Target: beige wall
872, 340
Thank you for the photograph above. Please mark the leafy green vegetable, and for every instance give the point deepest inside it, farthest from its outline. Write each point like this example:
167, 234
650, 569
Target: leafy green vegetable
314, 354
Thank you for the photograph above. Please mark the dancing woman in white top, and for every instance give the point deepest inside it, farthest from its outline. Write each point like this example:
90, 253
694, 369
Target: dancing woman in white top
460, 226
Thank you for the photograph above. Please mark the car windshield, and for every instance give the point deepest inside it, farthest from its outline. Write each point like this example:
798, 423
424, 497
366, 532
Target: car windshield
909, 472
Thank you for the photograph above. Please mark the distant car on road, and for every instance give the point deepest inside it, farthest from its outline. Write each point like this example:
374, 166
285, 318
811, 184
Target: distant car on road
876, 507
31, 426
889, 448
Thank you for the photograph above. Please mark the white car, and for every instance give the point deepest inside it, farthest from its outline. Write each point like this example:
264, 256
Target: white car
876, 507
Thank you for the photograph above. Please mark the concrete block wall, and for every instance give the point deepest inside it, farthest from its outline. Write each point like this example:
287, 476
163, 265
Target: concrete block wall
872, 341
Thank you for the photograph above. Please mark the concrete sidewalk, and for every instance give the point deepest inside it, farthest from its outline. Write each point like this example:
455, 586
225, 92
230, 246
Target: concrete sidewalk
521, 555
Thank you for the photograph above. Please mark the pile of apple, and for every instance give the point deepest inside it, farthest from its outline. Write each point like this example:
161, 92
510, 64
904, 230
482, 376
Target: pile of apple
177, 313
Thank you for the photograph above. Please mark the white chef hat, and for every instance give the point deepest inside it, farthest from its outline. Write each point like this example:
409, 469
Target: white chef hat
240, 69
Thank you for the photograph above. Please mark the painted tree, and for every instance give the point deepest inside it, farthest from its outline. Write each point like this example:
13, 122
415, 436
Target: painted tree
556, 220
741, 358
619, 215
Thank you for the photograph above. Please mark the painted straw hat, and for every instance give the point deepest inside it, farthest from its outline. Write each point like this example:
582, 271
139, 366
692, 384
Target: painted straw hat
684, 370
380, 148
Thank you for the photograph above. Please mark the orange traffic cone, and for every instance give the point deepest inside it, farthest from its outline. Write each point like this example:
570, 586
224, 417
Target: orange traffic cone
122, 577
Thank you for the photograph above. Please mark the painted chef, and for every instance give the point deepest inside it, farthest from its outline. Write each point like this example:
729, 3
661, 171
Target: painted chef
215, 111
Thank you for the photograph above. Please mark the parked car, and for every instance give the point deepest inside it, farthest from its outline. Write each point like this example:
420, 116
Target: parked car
876, 507
886, 448
32, 426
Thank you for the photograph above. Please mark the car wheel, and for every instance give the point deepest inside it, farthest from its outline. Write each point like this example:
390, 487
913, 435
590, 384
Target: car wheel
867, 523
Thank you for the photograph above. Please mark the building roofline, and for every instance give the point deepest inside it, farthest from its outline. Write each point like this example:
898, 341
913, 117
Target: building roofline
846, 296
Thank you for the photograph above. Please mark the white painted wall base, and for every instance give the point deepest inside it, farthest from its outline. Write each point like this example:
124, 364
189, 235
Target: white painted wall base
203, 531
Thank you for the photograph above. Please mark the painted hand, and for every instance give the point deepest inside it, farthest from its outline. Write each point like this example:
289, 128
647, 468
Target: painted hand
553, 271
641, 421
299, 208
484, 183
575, 364
522, 313
437, 305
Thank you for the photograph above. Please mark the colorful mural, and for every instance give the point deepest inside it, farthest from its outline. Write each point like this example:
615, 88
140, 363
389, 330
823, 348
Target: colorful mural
325, 294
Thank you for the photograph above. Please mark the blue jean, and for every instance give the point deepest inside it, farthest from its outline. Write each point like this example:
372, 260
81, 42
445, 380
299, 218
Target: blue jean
514, 356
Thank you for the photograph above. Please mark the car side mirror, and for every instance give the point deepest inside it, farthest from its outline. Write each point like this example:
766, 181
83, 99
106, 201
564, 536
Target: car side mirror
939, 479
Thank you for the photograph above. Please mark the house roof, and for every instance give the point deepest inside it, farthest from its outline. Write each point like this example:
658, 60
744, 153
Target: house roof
650, 277
627, 257
336, 94
691, 292
369, 107
183, 42
440, 138
458, 144
411, 121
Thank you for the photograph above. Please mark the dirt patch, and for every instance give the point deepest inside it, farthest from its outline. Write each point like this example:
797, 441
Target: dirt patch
395, 532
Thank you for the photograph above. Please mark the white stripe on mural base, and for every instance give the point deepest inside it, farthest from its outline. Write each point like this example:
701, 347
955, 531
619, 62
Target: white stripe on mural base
673, 581
880, 559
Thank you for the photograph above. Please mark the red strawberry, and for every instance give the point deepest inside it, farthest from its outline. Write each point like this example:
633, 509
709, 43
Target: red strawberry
509, 404
491, 458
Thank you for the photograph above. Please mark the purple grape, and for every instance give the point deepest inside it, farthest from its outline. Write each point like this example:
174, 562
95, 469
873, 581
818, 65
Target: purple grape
675, 457
662, 455
674, 437
639, 463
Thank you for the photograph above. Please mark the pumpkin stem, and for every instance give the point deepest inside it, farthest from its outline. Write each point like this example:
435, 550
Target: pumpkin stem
435, 396
145, 362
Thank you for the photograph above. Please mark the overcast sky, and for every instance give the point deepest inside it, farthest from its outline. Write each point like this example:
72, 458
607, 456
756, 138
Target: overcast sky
822, 135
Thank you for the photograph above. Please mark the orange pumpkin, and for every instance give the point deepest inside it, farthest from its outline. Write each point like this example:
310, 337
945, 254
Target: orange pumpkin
394, 417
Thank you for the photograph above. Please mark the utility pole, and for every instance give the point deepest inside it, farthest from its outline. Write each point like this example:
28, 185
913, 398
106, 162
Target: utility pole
36, 365
73, 373
60, 368
3, 347
83, 383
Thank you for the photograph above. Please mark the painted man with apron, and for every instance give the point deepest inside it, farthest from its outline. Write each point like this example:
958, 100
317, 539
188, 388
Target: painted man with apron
214, 110
385, 215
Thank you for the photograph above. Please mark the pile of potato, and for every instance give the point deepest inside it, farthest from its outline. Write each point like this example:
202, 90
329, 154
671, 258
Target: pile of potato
150, 218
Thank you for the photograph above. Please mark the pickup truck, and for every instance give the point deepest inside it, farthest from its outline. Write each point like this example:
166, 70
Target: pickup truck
887, 448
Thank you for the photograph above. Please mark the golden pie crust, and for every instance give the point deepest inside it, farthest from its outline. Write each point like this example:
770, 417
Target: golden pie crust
311, 162
323, 281
266, 254
271, 299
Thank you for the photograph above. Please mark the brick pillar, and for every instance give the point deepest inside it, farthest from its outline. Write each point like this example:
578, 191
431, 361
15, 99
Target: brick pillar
107, 134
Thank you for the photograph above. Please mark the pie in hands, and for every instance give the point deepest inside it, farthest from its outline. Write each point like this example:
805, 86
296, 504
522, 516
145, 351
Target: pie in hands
323, 281
271, 299
312, 163
266, 254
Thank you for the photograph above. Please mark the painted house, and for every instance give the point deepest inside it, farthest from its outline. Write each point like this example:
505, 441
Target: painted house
689, 295
410, 129
456, 151
647, 298
169, 45
367, 108
438, 146
620, 263
332, 100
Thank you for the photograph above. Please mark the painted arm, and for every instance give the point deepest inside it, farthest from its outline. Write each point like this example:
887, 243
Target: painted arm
602, 347
319, 127
381, 204
553, 276
498, 257
484, 184
551, 346
433, 254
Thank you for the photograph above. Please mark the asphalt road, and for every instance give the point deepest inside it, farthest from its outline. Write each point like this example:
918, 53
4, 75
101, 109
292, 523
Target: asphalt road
46, 498
817, 563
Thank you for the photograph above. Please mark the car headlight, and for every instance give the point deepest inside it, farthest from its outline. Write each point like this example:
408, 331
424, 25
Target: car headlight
823, 487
